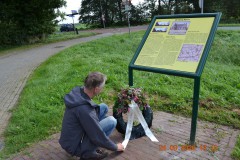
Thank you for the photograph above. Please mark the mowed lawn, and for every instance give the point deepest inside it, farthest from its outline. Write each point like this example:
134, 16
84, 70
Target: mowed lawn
40, 109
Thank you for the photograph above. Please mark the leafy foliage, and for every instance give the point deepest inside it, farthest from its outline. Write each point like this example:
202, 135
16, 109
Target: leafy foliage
27, 22
230, 9
127, 95
114, 12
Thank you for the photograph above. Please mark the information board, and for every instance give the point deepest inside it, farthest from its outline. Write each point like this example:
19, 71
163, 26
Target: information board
176, 43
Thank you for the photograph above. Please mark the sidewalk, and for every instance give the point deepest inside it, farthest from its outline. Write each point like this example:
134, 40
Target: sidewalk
173, 134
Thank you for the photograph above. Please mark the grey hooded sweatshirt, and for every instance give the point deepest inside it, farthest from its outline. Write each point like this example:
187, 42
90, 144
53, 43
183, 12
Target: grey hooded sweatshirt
81, 132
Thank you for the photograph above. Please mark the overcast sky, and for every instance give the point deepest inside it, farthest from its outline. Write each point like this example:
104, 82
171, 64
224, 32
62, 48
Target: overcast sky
75, 5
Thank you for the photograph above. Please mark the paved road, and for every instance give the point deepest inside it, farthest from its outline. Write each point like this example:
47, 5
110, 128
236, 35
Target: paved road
228, 28
16, 67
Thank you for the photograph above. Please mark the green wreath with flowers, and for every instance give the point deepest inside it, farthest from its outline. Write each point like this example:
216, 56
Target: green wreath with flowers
121, 106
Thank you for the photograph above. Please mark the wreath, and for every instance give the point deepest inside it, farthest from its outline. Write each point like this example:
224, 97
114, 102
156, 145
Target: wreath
121, 107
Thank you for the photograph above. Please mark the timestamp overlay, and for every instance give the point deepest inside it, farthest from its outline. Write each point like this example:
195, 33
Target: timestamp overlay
202, 147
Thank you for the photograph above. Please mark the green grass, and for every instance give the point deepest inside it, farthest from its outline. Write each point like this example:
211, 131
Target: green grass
40, 109
56, 37
236, 150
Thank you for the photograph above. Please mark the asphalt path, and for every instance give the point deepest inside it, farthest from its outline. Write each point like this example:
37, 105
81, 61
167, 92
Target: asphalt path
229, 28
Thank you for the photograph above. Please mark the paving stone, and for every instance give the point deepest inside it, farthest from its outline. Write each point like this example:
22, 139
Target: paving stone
142, 148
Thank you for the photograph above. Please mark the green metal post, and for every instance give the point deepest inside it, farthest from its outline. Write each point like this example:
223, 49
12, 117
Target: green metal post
130, 76
195, 110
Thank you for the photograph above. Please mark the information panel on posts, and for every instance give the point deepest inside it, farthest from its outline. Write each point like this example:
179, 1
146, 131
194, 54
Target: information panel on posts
177, 45
176, 42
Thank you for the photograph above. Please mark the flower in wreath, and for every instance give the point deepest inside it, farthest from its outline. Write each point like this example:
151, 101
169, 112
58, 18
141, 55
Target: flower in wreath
124, 98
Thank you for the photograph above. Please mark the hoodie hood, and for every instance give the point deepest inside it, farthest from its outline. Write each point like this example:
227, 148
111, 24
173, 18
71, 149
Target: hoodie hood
77, 97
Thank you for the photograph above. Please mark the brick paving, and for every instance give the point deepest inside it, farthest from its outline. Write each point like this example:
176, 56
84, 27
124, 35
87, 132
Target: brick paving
172, 131
214, 142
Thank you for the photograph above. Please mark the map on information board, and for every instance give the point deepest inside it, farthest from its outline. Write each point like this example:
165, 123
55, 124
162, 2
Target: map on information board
175, 43
190, 53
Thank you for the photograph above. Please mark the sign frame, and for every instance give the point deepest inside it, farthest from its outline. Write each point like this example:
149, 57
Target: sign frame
193, 75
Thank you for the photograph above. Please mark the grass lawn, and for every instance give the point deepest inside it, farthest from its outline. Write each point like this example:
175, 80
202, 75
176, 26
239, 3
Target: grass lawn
40, 109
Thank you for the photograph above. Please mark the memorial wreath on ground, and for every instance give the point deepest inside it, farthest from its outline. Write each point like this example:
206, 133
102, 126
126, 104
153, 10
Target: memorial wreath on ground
133, 102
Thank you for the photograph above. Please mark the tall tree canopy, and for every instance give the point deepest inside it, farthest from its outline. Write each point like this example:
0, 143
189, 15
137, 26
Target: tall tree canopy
91, 11
27, 21
230, 9
99, 11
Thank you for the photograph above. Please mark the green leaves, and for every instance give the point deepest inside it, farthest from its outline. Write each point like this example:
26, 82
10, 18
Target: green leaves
27, 22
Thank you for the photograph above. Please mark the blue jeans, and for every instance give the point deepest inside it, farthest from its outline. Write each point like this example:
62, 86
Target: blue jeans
108, 123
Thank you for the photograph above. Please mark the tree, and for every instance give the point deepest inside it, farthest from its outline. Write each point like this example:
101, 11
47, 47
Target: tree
138, 14
196, 7
113, 10
93, 11
151, 7
232, 11
26, 22
61, 15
